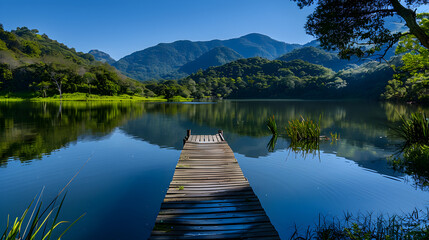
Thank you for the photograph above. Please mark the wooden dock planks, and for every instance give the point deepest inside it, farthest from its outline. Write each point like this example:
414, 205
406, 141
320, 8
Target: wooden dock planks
209, 198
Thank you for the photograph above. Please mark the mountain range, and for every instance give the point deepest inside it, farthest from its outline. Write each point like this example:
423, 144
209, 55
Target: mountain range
165, 60
180, 58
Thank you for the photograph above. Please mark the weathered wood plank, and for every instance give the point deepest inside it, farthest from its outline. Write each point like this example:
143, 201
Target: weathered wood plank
209, 197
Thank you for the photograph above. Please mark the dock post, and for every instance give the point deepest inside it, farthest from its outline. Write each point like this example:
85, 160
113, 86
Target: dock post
188, 133
220, 132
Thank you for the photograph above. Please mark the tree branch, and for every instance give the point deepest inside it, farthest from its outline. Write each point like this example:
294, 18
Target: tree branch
410, 18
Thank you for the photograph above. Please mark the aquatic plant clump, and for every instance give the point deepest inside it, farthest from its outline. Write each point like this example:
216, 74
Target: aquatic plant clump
303, 130
38, 224
272, 125
415, 149
366, 226
414, 130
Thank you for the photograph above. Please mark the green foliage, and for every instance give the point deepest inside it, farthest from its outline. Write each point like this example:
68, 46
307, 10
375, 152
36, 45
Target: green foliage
2, 45
411, 83
358, 27
168, 89
414, 130
39, 219
303, 130
366, 226
262, 78
318, 56
34, 63
48, 79
179, 99
271, 124
414, 162
31, 48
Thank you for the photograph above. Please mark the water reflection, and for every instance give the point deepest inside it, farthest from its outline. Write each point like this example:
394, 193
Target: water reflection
31, 130
272, 143
136, 145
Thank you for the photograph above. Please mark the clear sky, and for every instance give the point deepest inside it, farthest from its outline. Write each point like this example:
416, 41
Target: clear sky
122, 27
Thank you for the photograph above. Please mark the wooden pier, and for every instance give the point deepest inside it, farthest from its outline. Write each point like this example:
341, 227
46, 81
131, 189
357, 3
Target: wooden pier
209, 198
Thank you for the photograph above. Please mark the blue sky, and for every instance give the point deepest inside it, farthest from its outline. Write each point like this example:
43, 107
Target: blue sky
122, 27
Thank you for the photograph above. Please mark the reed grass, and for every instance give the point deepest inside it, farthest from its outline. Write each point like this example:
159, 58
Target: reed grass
414, 130
272, 125
413, 154
367, 226
303, 130
38, 219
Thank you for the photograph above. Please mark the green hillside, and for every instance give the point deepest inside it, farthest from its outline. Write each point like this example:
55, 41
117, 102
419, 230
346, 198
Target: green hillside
262, 78
318, 56
213, 58
35, 64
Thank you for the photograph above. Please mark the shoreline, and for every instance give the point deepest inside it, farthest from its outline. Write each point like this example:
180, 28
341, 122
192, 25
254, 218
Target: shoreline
92, 97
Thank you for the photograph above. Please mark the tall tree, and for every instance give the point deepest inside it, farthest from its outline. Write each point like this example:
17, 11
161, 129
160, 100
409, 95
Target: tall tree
411, 81
357, 27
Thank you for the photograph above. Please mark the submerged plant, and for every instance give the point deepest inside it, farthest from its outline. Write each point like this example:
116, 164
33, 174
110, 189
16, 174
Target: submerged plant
271, 124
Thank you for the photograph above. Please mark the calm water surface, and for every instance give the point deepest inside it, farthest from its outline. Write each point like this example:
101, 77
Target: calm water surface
133, 149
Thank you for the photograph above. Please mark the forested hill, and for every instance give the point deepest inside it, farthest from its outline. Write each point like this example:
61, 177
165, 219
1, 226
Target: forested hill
32, 62
213, 58
165, 59
262, 78
319, 56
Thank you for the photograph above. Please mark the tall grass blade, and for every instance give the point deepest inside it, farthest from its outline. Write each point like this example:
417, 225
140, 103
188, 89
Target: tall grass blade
75, 221
413, 130
32, 213
56, 216
271, 124
35, 221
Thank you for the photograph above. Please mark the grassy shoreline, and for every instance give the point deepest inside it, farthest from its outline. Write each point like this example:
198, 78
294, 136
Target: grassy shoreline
88, 97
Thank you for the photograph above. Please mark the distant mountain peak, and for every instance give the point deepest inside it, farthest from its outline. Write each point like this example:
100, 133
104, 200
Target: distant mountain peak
102, 56
256, 36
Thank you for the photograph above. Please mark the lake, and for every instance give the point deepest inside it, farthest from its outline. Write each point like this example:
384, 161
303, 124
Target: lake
133, 149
